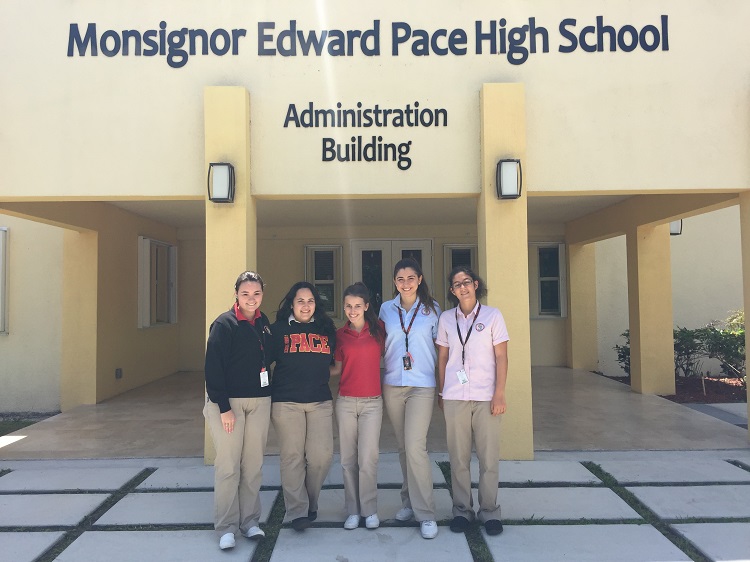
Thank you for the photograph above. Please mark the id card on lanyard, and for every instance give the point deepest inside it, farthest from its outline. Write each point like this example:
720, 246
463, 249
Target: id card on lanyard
407, 359
261, 339
461, 373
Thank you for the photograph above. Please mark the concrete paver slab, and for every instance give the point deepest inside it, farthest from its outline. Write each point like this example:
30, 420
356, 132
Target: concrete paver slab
582, 543
738, 409
165, 546
521, 472
67, 479
389, 472
43, 510
25, 547
363, 545
675, 502
331, 505
699, 470
720, 541
176, 477
171, 508
561, 503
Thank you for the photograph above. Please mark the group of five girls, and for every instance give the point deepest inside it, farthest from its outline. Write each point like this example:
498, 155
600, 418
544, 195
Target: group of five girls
468, 345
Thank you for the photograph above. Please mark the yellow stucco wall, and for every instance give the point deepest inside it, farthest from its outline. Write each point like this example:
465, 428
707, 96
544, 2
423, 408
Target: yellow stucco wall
611, 121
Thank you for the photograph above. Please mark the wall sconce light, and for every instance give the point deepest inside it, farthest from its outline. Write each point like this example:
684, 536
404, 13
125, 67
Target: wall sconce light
675, 228
508, 180
221, 182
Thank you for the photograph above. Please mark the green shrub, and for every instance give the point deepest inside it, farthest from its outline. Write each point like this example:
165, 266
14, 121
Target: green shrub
688, 350
623, 352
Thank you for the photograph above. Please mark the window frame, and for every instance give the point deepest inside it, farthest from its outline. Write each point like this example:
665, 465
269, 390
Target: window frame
448, 265
145, 246
338, 268
561, 278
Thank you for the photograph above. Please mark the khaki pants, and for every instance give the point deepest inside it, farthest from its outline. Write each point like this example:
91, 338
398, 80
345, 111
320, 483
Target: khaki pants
462, 418
410, 410
306, 450
238, 464
359, 421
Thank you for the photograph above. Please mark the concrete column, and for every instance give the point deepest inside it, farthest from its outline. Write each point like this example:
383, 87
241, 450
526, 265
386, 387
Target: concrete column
650, 308
231, 233
745, 233
582, 320
503, 255
78, 382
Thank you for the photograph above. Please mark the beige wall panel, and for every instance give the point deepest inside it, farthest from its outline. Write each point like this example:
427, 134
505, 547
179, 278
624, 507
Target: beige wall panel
139, 123
30, 352
548, 342
191, 304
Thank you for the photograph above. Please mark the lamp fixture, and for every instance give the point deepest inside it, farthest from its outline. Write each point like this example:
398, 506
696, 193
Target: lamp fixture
675, 228
508, 179
221, 182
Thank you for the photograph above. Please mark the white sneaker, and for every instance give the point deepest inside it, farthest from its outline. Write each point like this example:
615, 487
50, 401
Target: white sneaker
352, 522
254, 532
404, 514
429, 529
372, 521
226, 541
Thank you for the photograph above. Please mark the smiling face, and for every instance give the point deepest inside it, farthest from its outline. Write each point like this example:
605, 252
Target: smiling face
407, 281
303, 306
249, 297
355, 307
464, 288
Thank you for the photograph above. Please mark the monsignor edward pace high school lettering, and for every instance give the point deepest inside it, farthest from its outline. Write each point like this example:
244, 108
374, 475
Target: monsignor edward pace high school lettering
306, 343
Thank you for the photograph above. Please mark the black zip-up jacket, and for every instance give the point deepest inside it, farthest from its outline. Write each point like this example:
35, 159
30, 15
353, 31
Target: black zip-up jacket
303, 353
234, 358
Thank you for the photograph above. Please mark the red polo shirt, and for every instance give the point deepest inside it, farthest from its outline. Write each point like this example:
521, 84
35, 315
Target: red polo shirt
241, 317
359, 354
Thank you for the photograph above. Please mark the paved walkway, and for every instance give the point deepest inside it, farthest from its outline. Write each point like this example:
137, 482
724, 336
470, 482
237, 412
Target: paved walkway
628, 505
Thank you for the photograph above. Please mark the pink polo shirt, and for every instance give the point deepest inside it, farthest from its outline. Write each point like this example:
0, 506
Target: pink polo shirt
480, 366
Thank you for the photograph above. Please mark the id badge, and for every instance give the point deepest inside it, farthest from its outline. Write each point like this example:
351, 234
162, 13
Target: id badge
407, 362
263, 377
462, 378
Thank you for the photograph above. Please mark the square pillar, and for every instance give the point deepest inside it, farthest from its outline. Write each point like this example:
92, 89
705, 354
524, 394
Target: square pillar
745, 234
582, 340
650, 309
80, 341
503, 256
231, 232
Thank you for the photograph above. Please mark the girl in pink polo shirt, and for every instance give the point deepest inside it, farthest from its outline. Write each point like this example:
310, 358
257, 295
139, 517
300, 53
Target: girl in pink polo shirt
359, 407
472, 345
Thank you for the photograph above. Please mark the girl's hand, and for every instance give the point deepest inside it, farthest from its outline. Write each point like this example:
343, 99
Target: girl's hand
227, 421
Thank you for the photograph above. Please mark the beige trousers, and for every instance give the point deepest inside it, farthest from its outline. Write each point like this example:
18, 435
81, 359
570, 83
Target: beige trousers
462, 419
359, 421
238, 464
306, 450
410, 411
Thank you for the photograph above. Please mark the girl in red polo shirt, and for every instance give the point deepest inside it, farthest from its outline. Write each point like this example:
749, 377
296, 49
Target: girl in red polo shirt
359, 407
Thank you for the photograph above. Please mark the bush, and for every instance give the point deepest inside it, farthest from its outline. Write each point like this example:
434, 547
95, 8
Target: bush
721, 339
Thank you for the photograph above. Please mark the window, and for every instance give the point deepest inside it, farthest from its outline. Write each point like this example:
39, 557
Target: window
323, 269
3, 280
550, 268
455, 255
157, 283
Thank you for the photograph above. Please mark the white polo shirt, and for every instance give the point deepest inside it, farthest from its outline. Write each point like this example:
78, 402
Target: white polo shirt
480, 365
421, 344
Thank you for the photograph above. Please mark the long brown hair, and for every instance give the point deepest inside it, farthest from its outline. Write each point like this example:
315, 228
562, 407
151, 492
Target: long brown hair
423, 290
360, 290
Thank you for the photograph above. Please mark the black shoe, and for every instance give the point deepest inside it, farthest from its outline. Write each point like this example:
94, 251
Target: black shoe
459, 524
301, 523
312, 515
493, 527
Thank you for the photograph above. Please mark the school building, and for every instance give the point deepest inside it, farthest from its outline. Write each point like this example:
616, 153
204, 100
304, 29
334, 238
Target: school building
349, 135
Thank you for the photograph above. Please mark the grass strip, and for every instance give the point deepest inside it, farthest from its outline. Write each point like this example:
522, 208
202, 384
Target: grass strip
87, 522
646, 513
739, 464
272, 527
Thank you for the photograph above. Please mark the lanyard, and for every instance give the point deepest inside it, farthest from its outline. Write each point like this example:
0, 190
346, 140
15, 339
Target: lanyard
403, 328
468, 334
261, 339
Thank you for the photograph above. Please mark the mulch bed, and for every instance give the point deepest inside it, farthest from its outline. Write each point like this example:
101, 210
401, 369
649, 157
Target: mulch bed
690, 390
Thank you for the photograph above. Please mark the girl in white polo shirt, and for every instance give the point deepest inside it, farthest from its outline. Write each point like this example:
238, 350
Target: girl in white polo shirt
472, 369
409, 387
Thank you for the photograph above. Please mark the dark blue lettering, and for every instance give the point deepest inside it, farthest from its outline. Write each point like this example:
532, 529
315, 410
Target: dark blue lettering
401, 33
569, 35
264, 38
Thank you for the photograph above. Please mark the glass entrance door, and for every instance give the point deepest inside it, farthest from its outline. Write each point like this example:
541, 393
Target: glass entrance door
373, 262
